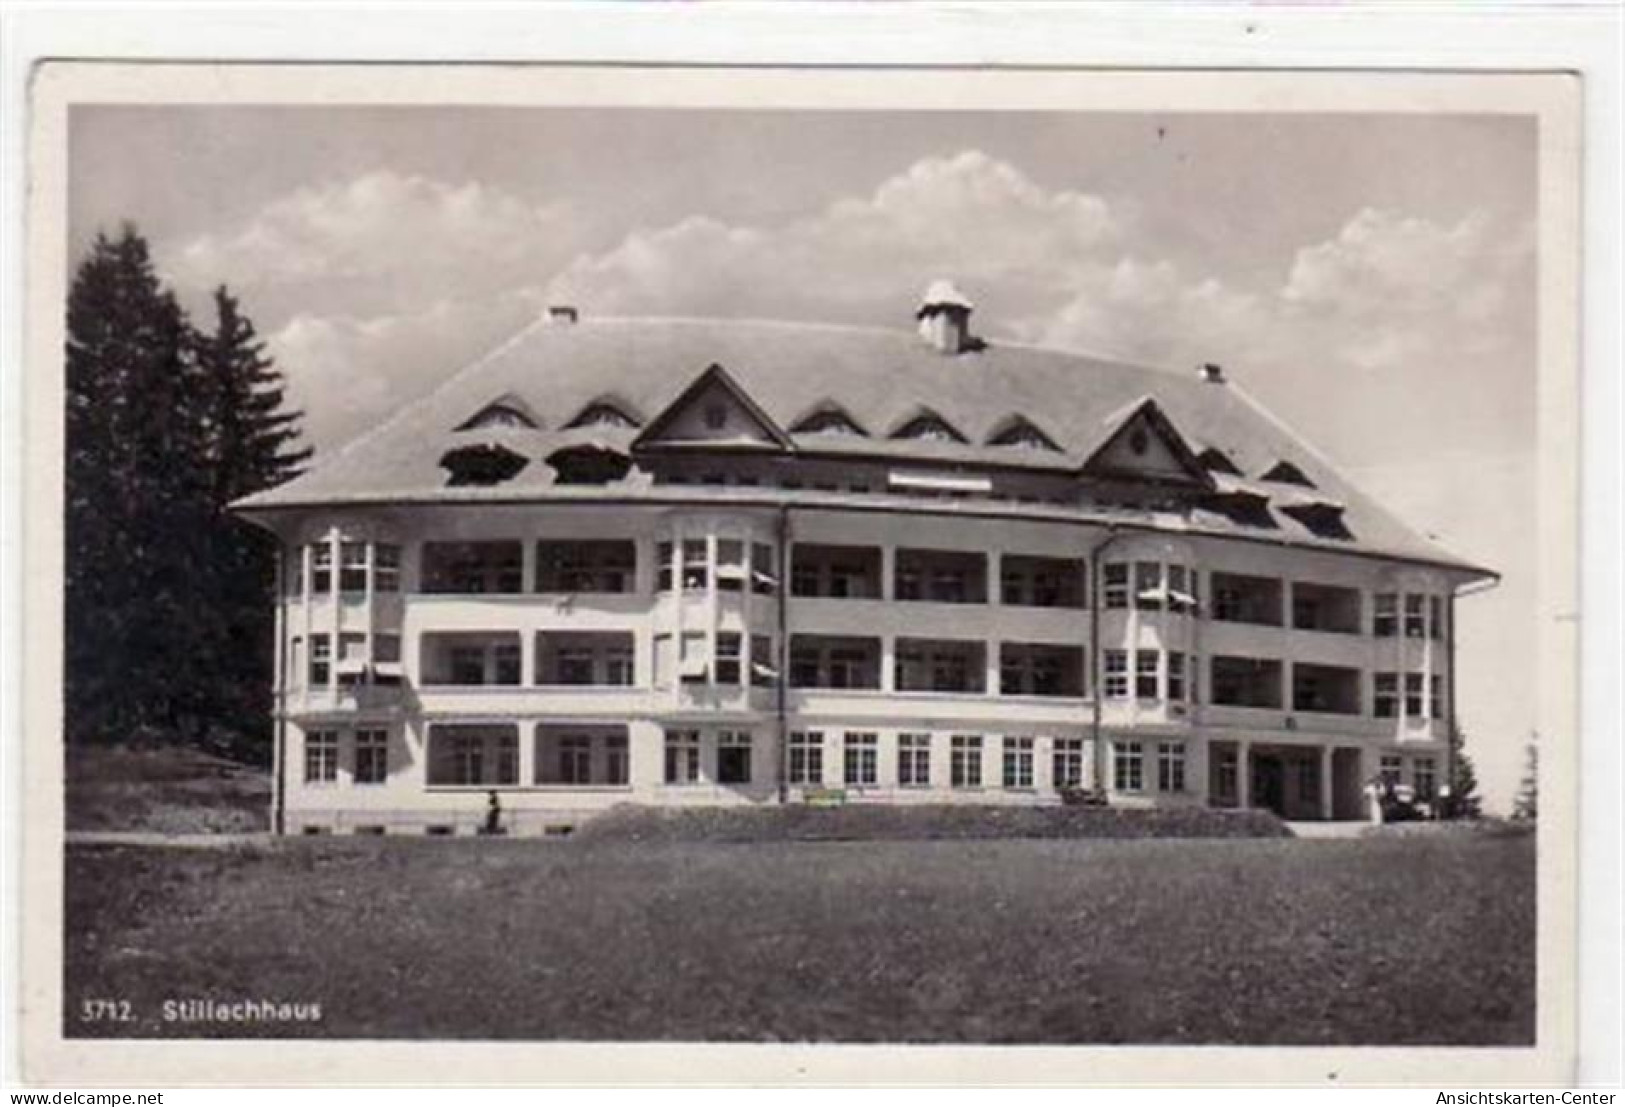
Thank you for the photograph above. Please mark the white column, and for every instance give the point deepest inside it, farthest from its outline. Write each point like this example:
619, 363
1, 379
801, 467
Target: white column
888, 570
527, 753
1044, 764
990, 667
1326, 782
1244, 775
335, 609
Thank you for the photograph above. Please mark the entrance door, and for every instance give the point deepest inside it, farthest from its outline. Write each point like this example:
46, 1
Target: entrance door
1269, 783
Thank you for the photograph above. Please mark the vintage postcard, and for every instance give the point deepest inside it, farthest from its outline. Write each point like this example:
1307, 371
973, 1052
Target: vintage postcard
766, 575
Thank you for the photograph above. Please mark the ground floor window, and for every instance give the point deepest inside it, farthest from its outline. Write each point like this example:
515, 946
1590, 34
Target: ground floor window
1226, 775
806, 757
616, 761
468, 755
1067, 767
965, 766
1423, 777
371, 756
1392, 769
321, 756
862, 758
1018, 763
1170, 766
1309, 780
733, 756
682, 757
914, 760
1128, 767
575, 759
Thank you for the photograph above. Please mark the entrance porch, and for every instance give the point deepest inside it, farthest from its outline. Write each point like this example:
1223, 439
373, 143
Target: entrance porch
1296, 781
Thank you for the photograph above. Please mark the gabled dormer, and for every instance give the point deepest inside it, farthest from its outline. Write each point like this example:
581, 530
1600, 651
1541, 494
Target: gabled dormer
1215, 460
829, 418
713, 412
925, 425
505, 412
1021, 433
481, 465
606, 411
1284, 472
1144, 445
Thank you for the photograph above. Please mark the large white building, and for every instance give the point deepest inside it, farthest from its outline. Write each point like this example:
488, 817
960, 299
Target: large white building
716, 562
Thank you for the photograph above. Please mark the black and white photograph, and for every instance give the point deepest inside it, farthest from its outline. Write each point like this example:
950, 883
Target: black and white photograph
761, 559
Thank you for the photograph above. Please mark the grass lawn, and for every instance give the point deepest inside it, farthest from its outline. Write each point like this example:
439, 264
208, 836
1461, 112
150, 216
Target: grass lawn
165, 790
1380, 940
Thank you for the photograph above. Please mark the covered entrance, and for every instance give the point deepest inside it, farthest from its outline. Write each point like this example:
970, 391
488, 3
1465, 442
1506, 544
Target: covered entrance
1295, 781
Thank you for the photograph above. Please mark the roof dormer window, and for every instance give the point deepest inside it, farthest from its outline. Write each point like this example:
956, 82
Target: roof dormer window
1215, 460
1022, 434
501, 414
1284, 472
928, 426
602, 413
481, 465
829, 420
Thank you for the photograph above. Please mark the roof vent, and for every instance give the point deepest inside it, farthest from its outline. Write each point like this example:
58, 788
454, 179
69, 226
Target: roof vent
1212, 372
562, 315
944, 316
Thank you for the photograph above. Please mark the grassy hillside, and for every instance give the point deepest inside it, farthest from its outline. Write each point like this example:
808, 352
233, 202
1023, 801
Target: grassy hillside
163, 789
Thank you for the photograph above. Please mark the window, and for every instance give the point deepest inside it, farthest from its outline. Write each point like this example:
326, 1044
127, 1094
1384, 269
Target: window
1170, 766
1413, 695
1436, 697
763, 577
764, 670
1308, 771
1392, 770
829, 420
507, 663
1067, 763
730, 565
467, 665
966, 763
1385, 615
806, 757
586, 566
321, 659
1385, 702
1116, 584
371, 756
682, 757
1436, 627
1116, 674
615, 760
928, 427
1423, 777
1181, 590
914, 760
1128, 767
1227, 778
602, 414
574, 665
473, 568
499, 415
728, 657
861, 759
1041, 581
1147, 668
575, 759
695, 665
696, 574
473, 755
1176, 676
848, 668
386, 568
1019, 432
1018, 763
664, 570
321, 757
1415, 618
618, 666
716, 416
353, 567
733, 756
321, 568
1148, 591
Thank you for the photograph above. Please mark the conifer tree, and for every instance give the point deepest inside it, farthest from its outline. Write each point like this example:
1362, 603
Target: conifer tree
1526, 805
1465, 802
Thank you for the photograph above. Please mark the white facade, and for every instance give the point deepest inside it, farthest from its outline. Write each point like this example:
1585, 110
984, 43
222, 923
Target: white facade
406, 701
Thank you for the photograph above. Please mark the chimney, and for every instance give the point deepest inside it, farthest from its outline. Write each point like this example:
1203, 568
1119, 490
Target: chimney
561, 315
944, 316
1212, 373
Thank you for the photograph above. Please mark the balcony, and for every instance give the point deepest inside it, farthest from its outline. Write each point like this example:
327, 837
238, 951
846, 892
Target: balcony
1325, 608
1245, 599
588, 566
1041, 581
1034, 669
820, 661
585, 659
927, 665
473, 568
835, 572
1327, 689
940, 576
1245, 682
470, 659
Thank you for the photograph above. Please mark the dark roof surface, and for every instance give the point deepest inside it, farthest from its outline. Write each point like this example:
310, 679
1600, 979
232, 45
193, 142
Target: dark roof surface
882, 377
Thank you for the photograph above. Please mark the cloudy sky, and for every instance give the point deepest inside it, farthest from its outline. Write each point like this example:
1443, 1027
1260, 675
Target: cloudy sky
1370, 278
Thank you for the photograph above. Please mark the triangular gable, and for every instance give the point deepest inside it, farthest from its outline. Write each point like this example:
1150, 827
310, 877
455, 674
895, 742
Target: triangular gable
713, 411
1146, 446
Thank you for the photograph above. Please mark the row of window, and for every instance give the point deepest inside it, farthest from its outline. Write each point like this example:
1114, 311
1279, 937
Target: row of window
855, 572
860, 761
370, 756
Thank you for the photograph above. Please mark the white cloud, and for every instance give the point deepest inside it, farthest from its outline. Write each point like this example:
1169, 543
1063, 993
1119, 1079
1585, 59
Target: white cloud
410, 236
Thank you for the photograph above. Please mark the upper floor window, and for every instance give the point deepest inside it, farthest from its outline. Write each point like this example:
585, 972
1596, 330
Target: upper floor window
1041, 581
839, 572
595, 566
728, 660
482, 465
1246, 599
602, 413
321, 659
1436, 627
929, 427
1147, 674
1385, 695
1415, 616
386, 567
1116, 682
829, 420
500, 415
1115, 584
321, 568
353, 567
941, 576
1385, 614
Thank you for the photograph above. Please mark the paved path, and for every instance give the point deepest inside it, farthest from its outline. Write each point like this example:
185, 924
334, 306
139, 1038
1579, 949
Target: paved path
152, 838
1350, 828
